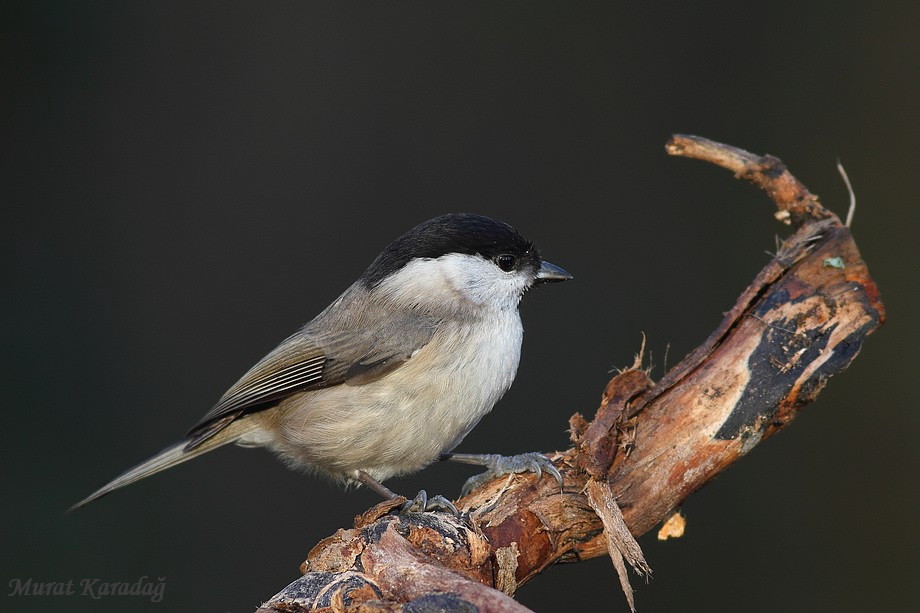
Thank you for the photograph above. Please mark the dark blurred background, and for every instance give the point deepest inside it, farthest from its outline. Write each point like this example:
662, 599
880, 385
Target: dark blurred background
184, 184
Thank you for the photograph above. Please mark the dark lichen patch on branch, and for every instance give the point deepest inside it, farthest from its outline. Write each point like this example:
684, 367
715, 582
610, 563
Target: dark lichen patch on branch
440, 603
319, 590
775, 366
373, 533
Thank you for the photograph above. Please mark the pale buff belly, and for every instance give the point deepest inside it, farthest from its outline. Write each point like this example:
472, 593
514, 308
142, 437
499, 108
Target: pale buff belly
400, 423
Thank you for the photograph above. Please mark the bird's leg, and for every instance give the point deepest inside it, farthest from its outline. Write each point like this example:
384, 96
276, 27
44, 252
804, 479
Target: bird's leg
375, 485
498, 465
419, 504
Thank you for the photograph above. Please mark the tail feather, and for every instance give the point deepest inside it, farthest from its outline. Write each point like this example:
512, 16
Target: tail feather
169, 457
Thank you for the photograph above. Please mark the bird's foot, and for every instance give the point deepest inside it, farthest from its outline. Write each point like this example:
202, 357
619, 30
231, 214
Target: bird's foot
422, 503
498, 465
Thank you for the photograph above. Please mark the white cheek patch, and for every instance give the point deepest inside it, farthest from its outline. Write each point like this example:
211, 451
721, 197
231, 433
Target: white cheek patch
453, 277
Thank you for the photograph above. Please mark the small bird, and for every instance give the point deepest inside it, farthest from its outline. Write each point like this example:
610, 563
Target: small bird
395, 372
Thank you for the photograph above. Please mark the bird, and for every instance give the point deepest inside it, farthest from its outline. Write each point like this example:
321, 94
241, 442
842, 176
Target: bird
395, 372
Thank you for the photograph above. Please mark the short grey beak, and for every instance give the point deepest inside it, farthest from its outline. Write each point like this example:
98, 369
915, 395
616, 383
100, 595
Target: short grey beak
550, 273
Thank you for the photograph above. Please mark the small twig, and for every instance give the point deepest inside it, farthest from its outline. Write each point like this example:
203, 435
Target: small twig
796, 204
846, 180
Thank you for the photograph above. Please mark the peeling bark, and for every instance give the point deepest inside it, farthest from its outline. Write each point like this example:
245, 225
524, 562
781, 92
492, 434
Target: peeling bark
650, 445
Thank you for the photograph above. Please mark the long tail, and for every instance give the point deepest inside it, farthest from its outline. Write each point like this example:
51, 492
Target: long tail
169, 457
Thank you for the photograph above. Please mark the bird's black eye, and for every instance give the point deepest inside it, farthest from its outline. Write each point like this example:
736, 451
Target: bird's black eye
506, 262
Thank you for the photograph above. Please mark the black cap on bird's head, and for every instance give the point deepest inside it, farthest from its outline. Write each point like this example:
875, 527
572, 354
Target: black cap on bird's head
467, 234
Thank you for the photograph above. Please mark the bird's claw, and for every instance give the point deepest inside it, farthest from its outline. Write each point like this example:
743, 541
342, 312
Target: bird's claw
422, 503
498, 465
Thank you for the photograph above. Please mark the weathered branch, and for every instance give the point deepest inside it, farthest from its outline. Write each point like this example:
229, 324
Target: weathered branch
650, 445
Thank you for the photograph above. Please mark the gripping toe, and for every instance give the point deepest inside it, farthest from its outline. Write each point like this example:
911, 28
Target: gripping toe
498, 465
422, 503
